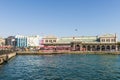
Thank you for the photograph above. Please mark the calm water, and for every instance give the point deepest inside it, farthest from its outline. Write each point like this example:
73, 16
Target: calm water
62, 67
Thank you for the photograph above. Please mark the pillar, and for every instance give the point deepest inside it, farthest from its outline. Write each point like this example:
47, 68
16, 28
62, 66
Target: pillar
80, 47
95, 47
105, 47
86, 48
110, 47
100, 48
116, 47
91, 48
73, 47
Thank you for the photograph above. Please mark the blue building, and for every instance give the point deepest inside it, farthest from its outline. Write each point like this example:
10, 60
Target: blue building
21, 41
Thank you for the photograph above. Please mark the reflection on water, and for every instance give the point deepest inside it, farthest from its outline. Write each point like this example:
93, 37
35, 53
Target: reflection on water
62, 67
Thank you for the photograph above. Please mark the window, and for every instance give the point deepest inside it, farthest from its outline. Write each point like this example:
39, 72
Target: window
54, 40
113, 40
108, 40
103, 40
46, 40
50, 40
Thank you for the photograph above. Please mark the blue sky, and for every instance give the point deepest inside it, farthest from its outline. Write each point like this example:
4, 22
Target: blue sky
59, 17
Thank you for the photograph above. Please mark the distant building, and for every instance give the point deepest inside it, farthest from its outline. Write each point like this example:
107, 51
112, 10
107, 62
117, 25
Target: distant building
2, 41
107, 42
33, 41
49, 39
21, 41
10, 41
27, 41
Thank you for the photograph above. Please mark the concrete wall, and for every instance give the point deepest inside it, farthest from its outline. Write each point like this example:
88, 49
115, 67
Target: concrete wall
6, 57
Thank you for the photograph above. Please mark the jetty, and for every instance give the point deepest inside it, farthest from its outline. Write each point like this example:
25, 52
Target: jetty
5, 57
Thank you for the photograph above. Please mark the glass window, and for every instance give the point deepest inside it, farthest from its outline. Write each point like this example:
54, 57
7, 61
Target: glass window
46, 40
103, 40
54, 40
50, 40
113, 40
108, 40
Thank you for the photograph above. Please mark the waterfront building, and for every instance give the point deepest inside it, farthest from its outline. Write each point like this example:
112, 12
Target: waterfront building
2, 43
107, 42
21, 41
49, 39
10, 41
33, 41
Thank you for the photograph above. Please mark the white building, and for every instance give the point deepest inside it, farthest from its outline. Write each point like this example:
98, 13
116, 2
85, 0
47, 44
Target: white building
33, 41
2, 41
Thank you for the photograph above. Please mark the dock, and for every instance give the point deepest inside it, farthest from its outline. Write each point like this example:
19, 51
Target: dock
67, 52
5, 57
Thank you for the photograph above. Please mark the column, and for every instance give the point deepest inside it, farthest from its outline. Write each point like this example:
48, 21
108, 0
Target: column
116, 47
74, 47
110, 47
95, 47
105, 47
91, 48
100, 48
86, 48
81, 47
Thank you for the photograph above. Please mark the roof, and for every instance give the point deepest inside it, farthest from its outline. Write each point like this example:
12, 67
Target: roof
80, 39
50, 36
108, 35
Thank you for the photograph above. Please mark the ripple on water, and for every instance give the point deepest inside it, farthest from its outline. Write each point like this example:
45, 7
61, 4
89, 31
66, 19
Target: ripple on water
62, 67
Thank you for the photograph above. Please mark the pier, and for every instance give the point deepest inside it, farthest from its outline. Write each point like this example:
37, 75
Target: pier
6, 57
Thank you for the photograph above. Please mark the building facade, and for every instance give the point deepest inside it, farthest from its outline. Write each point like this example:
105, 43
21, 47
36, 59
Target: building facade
10, 41
33, 41
107, 42
49, 39
2, 41
27, 41
21, 41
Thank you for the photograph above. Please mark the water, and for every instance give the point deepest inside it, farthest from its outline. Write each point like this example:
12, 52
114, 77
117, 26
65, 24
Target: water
62, 67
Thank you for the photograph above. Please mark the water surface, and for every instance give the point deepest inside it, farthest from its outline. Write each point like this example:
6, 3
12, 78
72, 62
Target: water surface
62, 67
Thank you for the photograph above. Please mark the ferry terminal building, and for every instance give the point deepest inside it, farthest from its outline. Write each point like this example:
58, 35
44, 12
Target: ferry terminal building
107, 42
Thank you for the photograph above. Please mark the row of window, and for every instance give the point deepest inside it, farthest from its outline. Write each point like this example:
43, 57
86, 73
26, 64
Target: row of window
47, 41
108, 40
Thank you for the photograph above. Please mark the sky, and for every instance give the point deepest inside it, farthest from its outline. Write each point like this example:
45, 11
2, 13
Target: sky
59, 17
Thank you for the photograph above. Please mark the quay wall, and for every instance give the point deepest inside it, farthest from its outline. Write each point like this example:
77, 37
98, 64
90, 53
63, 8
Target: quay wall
67, 52
6, 57
11, 55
